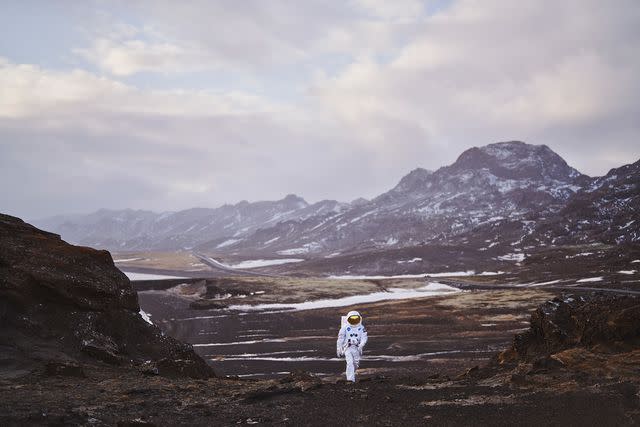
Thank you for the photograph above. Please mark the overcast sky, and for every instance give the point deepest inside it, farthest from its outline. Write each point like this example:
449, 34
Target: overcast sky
166, 105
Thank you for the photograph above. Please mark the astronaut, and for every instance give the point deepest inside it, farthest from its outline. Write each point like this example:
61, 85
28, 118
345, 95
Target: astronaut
351, 341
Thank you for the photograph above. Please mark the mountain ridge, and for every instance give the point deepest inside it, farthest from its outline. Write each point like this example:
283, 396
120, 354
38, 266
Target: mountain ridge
512, 179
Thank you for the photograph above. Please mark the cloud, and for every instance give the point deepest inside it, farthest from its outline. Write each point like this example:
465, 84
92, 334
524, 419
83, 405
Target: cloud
77, 141
249, 36
175, 105
203, 35
31, 91
485, 71
127, 57
399, 9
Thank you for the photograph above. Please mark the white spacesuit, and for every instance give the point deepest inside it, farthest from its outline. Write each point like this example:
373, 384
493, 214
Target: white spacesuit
351, 341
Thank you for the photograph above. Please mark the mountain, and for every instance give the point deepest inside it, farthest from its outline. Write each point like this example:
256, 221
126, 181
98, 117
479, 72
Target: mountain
508, 194
607, 210
145, 230
503, 180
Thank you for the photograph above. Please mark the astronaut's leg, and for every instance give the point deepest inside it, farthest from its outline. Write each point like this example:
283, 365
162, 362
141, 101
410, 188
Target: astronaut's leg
351, 368
356, 359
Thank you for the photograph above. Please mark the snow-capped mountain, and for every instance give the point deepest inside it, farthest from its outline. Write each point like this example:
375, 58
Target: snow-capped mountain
507, 193
607, 210
502, 180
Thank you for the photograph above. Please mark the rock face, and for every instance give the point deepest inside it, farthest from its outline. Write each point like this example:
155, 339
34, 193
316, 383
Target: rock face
63, 305
607, 210
597, 332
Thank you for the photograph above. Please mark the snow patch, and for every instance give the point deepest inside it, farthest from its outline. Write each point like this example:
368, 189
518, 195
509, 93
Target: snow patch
491, 273
408, 261
146, 317
405, 276
220, 344
301, 250
432, 289
146, 276
591, 279
294, 251
512, 257
127, 259
580, 254
227, 243
334, 254
453, 273
391, 241
362, 216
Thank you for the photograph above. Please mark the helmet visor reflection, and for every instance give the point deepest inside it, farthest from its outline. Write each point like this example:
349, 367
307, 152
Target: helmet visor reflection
354, 320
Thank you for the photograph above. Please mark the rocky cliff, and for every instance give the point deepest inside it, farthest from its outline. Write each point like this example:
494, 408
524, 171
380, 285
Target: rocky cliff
62, 306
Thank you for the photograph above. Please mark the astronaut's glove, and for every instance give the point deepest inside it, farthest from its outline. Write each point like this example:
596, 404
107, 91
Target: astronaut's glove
360, 348
339, 353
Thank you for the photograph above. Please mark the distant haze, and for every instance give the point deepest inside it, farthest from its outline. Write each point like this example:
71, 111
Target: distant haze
166, 105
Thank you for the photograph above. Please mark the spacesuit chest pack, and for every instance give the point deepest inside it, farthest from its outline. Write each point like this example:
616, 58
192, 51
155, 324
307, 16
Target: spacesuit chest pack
353, 335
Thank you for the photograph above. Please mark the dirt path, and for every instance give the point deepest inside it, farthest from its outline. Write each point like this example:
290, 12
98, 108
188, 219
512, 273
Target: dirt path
226, 269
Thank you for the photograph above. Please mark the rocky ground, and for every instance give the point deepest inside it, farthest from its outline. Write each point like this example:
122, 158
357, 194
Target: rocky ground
577, 365
74, 350
446, 333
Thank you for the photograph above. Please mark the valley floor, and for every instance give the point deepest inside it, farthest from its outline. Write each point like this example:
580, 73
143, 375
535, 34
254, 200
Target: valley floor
447, 332
429, 361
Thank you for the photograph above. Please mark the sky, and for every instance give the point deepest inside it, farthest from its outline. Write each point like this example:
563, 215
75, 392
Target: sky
167, 105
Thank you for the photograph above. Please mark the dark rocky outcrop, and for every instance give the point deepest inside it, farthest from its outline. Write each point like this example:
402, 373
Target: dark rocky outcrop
597, 334
62, 306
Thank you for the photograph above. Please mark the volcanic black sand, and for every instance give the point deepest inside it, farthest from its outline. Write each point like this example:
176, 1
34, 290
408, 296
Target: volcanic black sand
109, 396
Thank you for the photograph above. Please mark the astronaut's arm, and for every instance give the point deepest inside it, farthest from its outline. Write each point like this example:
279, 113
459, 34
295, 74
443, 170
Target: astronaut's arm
363, 339
340, 342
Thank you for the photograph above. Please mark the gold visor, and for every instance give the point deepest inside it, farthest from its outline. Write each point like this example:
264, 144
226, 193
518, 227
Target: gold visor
354, 320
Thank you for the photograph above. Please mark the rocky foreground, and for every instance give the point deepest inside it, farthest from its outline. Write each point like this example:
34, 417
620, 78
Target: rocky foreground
64, 306
74, 350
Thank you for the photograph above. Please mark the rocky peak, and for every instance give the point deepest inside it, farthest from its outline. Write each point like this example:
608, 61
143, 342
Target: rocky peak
294, 200
624, 176
603, 211
416, 180
359, 201
516, 160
